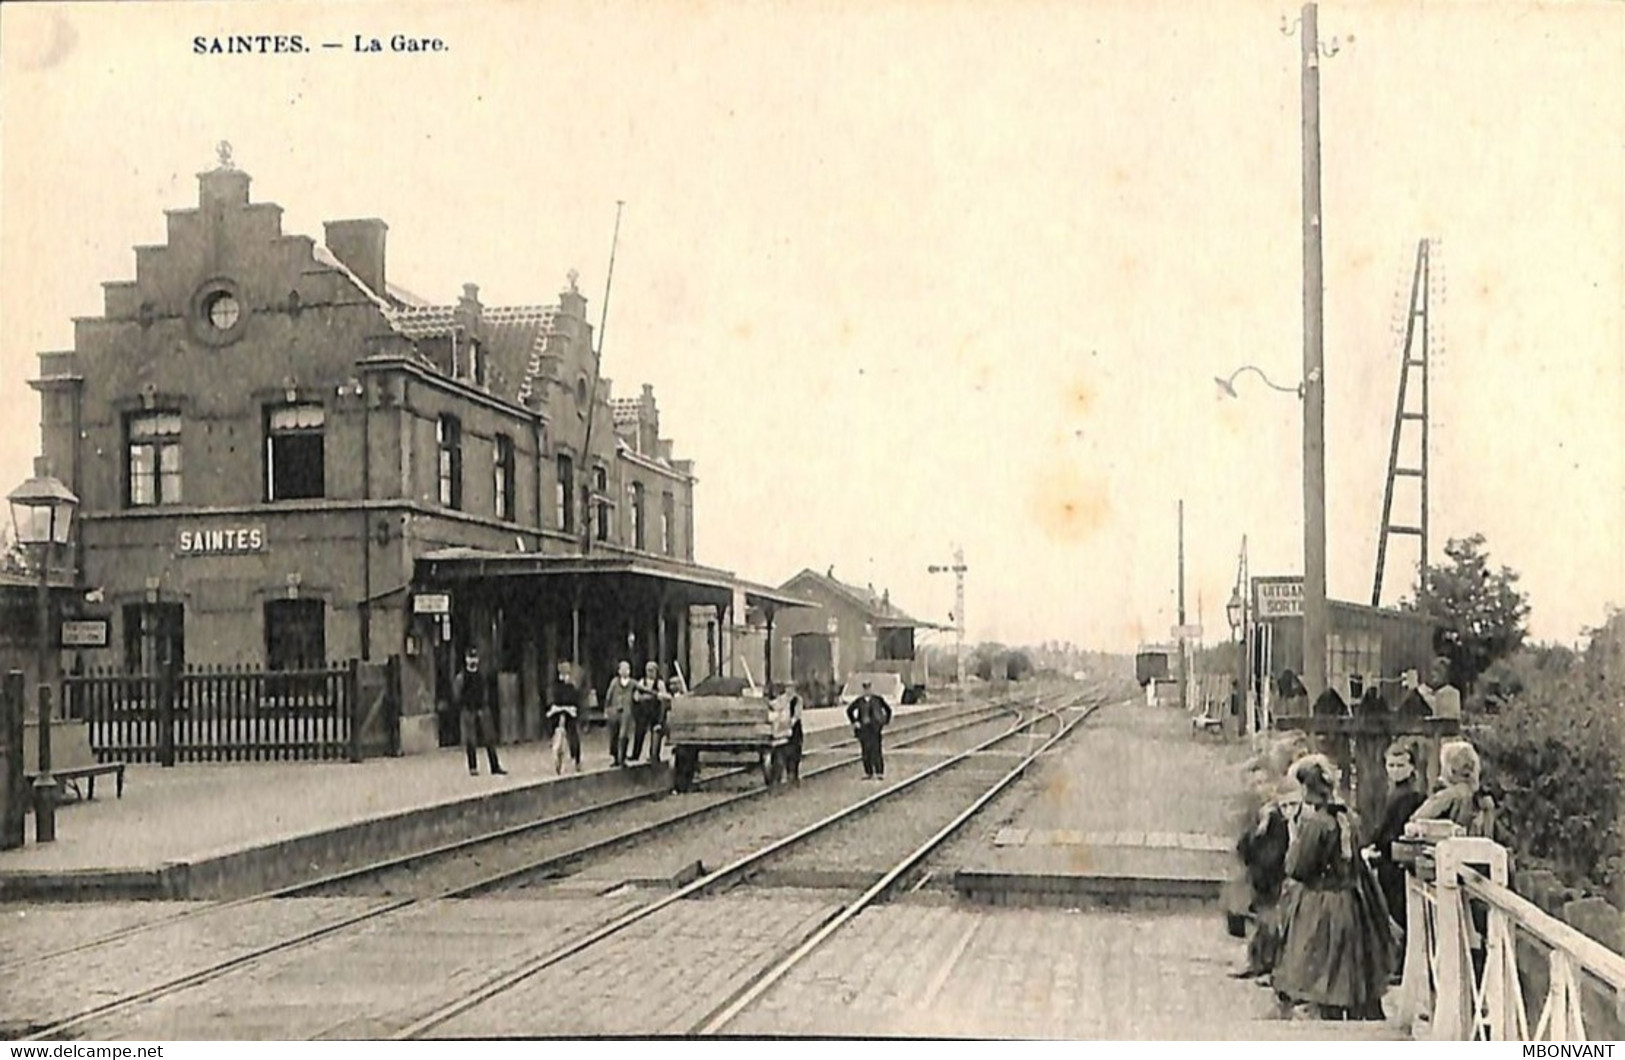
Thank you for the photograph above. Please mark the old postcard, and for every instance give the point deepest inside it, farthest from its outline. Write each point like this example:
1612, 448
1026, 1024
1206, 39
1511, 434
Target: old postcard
995, 520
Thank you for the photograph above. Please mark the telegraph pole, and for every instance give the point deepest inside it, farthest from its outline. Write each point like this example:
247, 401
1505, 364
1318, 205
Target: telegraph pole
1184, 697
1314, 389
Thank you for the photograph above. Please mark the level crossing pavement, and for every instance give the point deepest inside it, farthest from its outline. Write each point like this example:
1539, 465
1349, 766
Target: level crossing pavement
193, 813
1097, 915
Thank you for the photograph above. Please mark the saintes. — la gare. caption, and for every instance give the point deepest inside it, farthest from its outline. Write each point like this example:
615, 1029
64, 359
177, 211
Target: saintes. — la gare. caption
299, 44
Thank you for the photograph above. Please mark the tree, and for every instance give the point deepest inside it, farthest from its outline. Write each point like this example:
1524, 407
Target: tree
1479, 615
982, 659
1553, 755
11, 553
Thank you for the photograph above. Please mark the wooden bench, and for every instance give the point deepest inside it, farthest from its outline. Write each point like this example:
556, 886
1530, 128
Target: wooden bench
71, 758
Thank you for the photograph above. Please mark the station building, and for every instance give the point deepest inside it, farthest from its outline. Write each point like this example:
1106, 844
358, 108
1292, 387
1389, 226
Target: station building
283, 458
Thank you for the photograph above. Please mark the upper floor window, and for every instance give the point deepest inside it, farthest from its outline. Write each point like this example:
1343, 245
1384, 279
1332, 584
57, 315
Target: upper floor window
153, 458
449, 437
635, 496
565, 496
294, 459
668, 524
476, 363
503, 462
600, 488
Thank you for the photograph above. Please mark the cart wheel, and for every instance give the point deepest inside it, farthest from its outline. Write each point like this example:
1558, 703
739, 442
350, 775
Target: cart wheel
685, 763
773, 766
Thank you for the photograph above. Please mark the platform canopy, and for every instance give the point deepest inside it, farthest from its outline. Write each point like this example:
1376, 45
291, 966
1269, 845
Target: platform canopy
701, 584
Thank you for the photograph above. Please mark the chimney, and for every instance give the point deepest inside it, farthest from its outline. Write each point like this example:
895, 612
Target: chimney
648, 422
571, 302
467, 362
359, 245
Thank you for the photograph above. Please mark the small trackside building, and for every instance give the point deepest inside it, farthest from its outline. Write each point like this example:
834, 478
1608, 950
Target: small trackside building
848, 629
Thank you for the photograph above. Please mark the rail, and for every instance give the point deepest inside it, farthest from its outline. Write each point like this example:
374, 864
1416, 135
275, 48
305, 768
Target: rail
928, 728
707, 883
1467, 982
766, 979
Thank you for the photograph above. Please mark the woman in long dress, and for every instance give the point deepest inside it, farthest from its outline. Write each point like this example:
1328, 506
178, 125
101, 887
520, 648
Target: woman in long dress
1337, 950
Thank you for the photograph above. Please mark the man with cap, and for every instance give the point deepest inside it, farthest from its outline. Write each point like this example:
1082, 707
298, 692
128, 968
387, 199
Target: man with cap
869, 714
649, 705
472, 691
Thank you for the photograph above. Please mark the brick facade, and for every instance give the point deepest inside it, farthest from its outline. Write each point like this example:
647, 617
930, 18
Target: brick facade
258, 417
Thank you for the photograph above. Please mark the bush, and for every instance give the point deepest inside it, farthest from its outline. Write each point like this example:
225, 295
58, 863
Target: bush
1554, 751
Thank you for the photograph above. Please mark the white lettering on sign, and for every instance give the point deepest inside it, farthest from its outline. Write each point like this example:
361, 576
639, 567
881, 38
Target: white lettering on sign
1279, 598
84, 633
431, 604
221, 540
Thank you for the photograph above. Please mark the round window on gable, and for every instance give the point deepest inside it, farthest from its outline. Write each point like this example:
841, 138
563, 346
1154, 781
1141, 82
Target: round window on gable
218, 315
222, 310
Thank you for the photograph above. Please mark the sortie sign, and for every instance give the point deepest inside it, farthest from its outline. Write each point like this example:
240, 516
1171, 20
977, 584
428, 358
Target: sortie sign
220, 541
1278, 597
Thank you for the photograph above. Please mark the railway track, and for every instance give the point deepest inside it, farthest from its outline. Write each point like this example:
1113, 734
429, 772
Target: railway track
406, 862
893, 880
741, 868
481, 879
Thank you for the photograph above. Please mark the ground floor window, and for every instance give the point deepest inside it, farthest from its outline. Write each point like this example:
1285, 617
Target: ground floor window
154, 638
295, 634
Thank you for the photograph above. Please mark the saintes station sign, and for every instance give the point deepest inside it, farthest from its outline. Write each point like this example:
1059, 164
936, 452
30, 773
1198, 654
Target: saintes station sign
219, 541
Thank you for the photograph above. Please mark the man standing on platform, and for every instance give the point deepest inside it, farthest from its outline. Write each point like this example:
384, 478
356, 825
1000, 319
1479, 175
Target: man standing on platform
869, 714
650, 703
472, 691
619, 702
564, 709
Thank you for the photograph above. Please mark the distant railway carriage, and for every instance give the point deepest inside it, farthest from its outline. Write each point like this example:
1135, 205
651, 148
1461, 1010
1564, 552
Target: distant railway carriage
1151, 664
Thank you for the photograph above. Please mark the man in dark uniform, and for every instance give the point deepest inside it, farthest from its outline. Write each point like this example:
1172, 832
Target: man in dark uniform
473, 691
792, 750
869, 714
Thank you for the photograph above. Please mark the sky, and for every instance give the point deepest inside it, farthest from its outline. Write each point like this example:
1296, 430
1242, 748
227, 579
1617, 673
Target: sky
906, 275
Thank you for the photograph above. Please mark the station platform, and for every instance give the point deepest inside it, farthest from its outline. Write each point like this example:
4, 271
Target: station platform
223, 830
1135, 807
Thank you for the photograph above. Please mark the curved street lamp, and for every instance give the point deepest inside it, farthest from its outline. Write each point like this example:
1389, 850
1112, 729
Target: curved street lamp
42, 511
1229, 385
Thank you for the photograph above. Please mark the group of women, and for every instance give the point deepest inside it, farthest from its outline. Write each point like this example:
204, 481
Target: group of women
1329, 911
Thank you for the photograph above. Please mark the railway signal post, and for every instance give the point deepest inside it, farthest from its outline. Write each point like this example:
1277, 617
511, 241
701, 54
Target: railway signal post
958, 571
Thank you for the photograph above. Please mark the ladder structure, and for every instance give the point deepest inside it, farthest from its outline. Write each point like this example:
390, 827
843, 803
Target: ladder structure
1413, 356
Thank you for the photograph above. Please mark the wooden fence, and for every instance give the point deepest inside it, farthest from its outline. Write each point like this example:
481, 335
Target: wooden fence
232, 714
